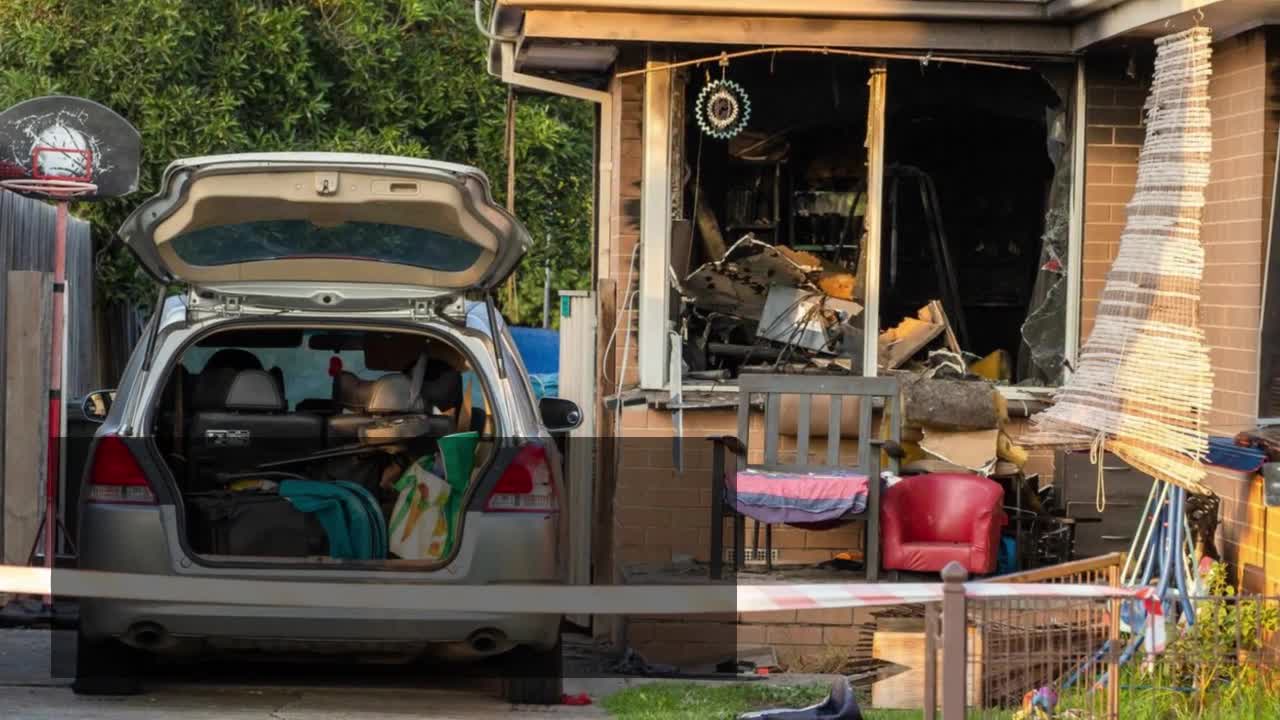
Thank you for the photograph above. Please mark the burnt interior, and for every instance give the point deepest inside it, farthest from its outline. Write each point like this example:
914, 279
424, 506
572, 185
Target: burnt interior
968, 172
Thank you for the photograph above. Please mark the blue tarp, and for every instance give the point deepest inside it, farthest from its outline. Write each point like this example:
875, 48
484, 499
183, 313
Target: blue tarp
539, 350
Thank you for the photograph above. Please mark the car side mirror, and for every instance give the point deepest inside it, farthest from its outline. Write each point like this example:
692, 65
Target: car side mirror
558, 414
97, 405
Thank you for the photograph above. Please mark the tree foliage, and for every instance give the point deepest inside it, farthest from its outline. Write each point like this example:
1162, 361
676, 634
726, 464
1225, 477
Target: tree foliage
402, 77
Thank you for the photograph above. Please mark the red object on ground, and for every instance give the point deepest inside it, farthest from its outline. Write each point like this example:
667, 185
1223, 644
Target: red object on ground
579, 699
926, 521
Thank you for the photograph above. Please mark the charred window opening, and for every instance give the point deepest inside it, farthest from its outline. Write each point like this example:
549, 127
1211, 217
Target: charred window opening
968, 185
768, 226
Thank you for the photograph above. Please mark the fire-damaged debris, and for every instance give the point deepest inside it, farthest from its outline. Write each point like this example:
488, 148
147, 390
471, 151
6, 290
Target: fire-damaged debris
805, 318
950, 404
958, 422
757, 147
900, 343
762, 303
738, 283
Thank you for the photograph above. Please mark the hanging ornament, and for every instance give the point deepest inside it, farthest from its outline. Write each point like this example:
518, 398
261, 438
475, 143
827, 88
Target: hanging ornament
723, 109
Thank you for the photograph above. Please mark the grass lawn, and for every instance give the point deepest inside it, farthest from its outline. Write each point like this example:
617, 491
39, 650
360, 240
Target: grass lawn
663, 701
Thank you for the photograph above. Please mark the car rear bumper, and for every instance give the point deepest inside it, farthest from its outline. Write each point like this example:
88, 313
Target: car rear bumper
169, 624
495, 550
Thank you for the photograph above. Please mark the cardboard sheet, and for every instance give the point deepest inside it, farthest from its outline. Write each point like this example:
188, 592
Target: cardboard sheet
973, 449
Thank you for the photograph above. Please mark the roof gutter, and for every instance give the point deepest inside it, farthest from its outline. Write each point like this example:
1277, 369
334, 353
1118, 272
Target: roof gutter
896, 9
1061, 9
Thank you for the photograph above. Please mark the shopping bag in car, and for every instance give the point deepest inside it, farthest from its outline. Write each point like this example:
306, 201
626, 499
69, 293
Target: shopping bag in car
419, 529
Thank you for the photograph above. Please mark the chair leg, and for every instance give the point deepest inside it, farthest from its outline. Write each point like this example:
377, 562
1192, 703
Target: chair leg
871, 558
755, 535
717, 513
739, 541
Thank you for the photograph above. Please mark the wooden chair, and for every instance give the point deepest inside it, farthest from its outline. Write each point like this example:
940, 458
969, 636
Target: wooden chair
772, 388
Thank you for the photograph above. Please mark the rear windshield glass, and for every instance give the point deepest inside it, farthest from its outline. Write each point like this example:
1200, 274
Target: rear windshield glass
279, 239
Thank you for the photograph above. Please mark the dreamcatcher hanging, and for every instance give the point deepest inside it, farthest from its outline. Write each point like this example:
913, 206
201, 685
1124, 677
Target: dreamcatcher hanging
723, 109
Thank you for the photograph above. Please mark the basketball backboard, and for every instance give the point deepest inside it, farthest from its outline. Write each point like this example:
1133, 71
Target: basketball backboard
70, 140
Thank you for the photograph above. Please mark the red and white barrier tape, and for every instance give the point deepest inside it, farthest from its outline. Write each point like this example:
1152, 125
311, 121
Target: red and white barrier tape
554, 599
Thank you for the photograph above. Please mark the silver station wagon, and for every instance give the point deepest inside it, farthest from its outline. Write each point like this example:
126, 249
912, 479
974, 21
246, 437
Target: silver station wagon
333, 398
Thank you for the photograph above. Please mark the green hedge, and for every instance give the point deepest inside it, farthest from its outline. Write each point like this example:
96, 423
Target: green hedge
215, 76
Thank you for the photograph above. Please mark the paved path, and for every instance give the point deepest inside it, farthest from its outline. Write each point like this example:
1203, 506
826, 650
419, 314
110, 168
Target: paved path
30, 690
36, 668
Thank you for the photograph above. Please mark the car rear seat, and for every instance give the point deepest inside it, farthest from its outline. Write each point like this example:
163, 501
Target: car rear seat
239, 420
394, 398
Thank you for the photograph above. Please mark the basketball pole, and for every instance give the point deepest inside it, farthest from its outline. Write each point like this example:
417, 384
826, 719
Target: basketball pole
57, 381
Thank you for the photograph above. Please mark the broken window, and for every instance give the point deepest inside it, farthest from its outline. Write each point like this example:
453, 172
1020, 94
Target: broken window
974, 226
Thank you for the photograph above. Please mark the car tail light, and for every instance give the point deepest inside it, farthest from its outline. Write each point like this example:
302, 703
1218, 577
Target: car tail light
116, 477
527, 484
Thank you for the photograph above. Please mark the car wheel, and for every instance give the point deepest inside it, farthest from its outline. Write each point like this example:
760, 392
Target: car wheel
106, 667
534, 677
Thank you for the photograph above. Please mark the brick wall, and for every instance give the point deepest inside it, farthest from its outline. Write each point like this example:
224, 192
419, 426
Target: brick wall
662, 513
1245, 118
1113, 137
626, 228
1246, 115
803, 640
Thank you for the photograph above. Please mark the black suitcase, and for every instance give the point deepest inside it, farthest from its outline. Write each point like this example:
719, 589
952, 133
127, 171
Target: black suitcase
252, 524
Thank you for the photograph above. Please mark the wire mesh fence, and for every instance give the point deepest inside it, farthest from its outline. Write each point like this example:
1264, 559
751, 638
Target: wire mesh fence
1049, 658
1044, 653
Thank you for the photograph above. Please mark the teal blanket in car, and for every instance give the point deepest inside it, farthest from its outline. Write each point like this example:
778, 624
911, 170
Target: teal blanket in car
349, 514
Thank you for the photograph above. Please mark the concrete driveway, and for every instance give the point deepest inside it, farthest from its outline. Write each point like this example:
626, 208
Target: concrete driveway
34, 685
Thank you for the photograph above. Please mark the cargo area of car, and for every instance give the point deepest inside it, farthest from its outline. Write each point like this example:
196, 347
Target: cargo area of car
321, 445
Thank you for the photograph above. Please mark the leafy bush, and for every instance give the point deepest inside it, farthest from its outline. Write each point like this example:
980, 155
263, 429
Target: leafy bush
1212, 657
403, 77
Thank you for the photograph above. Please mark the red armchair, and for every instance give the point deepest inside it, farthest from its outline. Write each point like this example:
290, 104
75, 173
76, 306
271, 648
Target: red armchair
926, 521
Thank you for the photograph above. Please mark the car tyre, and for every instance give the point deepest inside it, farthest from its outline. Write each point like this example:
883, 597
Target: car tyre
106, 667
534, 677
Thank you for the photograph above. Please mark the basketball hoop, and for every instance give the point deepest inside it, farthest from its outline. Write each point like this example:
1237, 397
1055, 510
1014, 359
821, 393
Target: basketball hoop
49, 187
61, 148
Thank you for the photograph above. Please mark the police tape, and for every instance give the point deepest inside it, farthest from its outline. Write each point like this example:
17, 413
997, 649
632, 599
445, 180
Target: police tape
538, 599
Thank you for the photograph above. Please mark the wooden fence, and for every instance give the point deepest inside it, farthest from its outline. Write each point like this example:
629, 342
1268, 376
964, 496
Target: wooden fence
26, 264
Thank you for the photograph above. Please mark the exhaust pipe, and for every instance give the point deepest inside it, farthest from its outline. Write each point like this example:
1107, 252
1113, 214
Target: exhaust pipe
488, 642
147, 636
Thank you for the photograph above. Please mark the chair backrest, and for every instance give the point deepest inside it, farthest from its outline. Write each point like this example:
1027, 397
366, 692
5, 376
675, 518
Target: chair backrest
941, 507
836, 387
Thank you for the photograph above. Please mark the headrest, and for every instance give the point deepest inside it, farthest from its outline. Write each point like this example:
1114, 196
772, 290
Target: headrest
353, 393
393, 393
255, 390
441, 385
394, 352
211, 386
234, 358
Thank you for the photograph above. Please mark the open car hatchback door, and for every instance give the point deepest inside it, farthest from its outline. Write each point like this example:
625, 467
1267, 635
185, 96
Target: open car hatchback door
326, 218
